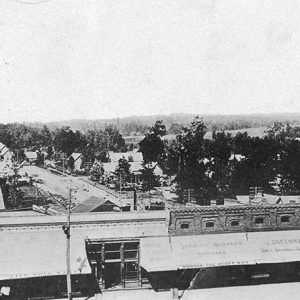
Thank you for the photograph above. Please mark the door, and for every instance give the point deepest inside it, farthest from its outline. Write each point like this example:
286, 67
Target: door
112, 274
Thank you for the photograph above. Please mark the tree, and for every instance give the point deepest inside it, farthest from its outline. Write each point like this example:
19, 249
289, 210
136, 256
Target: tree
40, 158
158, 129
152, 147
150, 180
71, 163
67, 140
123, 170
50, 152
114, 139
97, 170
175, 129
192, 167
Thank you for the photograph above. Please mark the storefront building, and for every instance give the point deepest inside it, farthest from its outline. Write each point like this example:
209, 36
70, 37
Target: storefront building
105, 252
191, 248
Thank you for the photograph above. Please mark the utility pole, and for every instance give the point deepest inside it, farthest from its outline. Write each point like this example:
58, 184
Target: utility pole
63, 160
107, 143
66, 229
120, 185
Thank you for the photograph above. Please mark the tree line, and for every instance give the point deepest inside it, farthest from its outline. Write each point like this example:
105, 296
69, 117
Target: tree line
226, 165
93, 143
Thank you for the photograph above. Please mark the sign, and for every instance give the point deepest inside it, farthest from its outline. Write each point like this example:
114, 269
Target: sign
214, 250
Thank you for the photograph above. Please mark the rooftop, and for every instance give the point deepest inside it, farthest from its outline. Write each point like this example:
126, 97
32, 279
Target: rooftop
93, 203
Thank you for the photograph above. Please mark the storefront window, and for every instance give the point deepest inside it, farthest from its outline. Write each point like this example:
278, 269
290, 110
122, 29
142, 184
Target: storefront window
119, 265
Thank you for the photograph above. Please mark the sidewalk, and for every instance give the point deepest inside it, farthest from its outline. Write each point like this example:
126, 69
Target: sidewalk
256, 292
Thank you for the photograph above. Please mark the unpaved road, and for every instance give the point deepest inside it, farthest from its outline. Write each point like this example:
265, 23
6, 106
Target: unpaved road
60, 185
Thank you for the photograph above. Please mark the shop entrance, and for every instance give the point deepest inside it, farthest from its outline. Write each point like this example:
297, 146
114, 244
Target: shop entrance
112, 275
115, 263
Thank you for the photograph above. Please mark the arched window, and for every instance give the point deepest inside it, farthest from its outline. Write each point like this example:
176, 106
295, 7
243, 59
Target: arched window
209, 224
235, 223
184, 226
259, 220
285, 219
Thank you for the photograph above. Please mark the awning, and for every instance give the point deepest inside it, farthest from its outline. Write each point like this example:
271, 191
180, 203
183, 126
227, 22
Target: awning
39, 252
156, 254
213, 250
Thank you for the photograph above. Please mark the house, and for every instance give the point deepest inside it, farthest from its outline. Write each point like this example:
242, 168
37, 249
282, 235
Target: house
95, 204
5, 153
31, 156
77, 161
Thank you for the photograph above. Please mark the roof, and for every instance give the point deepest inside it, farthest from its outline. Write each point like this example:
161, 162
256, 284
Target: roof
30, 154
76, 155
213, 250
91, 204
135, 155
269, 199
18, 213
87, 218
30, 253
3, 149
35, 246
135, 167
109, 167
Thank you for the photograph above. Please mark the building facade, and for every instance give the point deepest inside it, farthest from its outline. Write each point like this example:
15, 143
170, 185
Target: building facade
189, 248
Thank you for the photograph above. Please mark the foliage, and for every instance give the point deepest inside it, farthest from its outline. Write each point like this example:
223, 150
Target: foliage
71, 163
149, 179
209, 167
175, 128
50, 152
97, 170
40, 158
18, 136
123, 168
67, 140
152, 147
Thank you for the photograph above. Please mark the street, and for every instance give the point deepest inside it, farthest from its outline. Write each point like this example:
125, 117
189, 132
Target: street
60, 185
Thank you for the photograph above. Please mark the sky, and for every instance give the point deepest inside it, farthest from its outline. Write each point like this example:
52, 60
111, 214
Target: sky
70, 59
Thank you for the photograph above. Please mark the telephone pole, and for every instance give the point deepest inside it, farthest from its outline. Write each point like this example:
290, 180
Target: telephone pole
66, 229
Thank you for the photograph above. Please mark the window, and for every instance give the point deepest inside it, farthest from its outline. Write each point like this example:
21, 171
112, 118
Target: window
259, 220
112, 251
131, 250
235, 223
209, 224
184, 226
285, 219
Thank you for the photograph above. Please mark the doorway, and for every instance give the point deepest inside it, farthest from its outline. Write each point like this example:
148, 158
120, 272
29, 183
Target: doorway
112, 275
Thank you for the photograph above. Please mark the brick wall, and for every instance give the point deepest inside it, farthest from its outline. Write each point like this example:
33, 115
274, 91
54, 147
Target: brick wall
218, 219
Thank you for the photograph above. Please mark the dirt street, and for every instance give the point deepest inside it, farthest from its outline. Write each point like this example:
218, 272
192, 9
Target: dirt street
60, 185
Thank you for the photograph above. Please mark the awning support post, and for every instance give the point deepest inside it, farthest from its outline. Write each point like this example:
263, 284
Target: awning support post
174, 293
